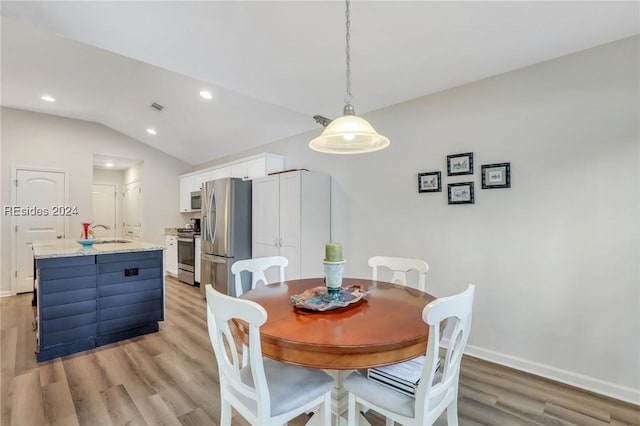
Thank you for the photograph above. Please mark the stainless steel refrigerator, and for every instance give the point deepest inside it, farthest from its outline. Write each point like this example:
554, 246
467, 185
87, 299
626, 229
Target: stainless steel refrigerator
225, 229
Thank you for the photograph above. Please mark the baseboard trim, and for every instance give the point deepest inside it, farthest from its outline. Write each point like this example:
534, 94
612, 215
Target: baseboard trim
5, 293
592, 384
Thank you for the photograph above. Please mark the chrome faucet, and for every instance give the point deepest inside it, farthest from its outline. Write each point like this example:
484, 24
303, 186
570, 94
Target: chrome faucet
105, 227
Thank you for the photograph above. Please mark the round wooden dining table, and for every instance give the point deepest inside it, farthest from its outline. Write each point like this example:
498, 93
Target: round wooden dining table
385, 327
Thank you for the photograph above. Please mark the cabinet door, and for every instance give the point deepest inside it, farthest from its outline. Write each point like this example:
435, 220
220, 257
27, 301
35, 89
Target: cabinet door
171, 255
266, 216
222, 173
240, 171
186, 186
257, 168
205, 177
290, 222
196, 185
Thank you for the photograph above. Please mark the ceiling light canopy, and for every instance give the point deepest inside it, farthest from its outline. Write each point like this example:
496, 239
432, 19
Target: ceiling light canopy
48, 98
206, 94
349, 134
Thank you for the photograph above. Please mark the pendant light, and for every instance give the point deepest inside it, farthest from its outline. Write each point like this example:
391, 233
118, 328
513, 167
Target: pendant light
349, 134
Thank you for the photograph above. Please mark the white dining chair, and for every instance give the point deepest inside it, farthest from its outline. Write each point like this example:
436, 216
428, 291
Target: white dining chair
400, 266
264, 392
437, 389
257, 268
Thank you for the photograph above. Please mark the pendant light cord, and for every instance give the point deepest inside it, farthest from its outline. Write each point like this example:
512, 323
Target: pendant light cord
348, 96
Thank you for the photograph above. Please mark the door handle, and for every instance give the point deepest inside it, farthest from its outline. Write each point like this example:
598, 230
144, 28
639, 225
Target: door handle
59, 237
214, 259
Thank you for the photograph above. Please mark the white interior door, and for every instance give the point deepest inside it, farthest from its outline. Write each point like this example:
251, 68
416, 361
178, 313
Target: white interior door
104, 210
132, 210
36, 190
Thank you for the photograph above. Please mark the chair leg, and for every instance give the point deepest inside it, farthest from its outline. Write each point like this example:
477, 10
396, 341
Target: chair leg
354, 415
326, 420
225, 413
452, 413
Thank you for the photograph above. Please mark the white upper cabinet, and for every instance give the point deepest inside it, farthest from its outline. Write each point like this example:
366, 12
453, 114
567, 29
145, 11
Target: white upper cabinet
248, 168
199, 179
221, 173
240, 170
186, 186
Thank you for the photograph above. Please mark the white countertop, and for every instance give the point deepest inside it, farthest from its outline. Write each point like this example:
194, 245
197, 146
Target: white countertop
67, 248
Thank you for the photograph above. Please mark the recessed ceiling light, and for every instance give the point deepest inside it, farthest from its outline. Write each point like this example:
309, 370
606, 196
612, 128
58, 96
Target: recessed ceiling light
206, 94
109, 165
48, 98
151, 131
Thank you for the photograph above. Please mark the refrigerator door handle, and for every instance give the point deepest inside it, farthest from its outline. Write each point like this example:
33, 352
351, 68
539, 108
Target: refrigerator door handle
204, 227
215, 217
214, 259
209, 216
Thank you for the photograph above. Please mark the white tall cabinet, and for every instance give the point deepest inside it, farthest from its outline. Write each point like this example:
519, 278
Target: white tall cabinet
292, 218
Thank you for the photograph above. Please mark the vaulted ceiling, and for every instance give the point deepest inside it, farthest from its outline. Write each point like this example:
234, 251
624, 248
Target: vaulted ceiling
271, 65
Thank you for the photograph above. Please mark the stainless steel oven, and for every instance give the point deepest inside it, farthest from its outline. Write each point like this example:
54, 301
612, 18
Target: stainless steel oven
186, 256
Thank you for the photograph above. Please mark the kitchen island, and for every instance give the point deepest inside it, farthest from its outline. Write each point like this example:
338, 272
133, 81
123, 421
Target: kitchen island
92, 296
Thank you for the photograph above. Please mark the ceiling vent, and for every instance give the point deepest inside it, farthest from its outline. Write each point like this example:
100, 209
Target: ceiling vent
157, 106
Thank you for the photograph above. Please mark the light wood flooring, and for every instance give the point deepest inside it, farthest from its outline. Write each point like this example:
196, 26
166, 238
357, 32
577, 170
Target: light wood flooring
170, 378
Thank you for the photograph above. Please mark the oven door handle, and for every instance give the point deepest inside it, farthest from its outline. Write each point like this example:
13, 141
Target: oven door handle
186, 240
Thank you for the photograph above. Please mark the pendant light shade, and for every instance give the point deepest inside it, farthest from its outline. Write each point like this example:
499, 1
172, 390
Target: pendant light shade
349, 134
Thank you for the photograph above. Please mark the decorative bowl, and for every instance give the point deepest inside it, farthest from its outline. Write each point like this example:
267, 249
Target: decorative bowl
86, 243
314, 299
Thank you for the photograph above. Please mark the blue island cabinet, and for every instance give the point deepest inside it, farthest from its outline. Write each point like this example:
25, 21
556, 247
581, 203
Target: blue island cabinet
92, 300
67, 305
130, 295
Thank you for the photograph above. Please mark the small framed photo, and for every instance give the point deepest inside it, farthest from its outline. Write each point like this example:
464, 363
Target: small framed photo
460, 164
461, 193
429, 182
496, 175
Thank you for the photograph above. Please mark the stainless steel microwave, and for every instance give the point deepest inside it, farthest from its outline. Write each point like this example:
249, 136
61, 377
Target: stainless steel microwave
196, 200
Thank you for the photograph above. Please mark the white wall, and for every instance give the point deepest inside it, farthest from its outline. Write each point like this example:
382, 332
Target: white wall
41, 140
134, 173
555, 258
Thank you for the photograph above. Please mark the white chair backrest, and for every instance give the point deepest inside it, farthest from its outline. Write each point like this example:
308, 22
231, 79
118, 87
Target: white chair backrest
456, 311
400, 266
220, 310
257, 267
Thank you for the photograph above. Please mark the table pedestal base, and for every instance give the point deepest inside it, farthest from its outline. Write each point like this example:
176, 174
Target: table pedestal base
339, 403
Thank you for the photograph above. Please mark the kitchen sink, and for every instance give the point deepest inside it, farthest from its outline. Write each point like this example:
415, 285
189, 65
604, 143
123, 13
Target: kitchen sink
111, 241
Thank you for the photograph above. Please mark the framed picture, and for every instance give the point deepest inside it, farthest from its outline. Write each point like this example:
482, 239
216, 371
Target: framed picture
460, 164
496, 175
429, 182
461, 193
